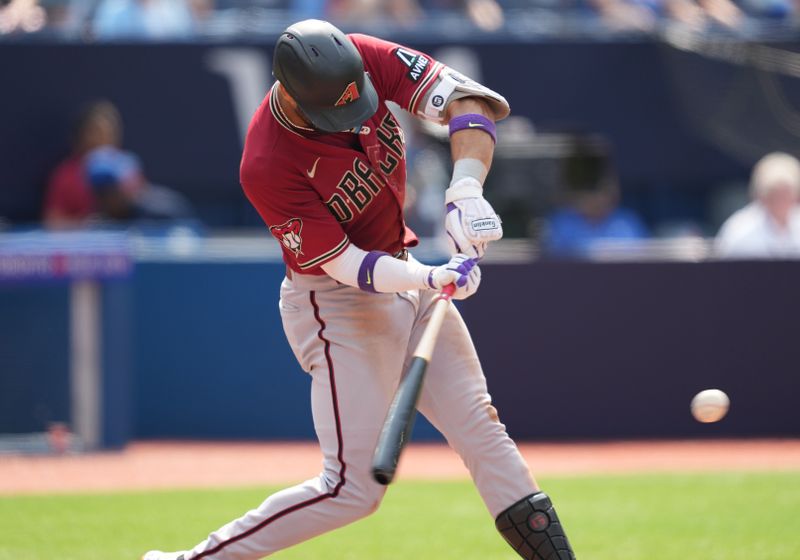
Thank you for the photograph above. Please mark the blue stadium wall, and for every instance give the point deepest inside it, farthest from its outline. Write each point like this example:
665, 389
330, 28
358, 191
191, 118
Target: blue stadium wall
680, 123
570, 350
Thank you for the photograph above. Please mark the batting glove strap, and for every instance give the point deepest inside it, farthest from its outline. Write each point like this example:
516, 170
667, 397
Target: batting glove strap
465, 187
533, 529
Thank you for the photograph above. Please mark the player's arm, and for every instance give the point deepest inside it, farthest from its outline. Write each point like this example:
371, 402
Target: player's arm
379, 272
435, 92
471, 222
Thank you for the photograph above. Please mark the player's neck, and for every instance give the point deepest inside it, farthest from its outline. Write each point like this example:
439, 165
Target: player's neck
289, 108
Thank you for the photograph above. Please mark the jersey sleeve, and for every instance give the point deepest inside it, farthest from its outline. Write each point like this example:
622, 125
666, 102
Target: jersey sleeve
308, 233
399, 73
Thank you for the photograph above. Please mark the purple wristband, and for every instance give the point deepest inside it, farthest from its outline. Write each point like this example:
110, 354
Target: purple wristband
366, 272
473, 121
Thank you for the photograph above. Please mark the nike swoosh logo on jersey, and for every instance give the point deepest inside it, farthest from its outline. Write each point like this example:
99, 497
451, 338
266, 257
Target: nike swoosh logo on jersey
369, 278
313, 171
474, 124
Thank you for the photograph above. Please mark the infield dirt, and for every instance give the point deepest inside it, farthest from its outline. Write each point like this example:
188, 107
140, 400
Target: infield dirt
154, 465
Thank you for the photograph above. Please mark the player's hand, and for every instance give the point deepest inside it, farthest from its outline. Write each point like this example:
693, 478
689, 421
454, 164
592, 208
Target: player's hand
471, 222
462, 271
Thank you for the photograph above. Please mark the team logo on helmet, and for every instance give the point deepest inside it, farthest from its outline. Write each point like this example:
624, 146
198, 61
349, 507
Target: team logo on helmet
349, 95
289, 235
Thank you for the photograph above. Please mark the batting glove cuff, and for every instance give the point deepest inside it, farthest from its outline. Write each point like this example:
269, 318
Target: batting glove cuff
466, 187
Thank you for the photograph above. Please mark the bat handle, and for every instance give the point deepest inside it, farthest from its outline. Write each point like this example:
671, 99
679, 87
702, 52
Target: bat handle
448, 291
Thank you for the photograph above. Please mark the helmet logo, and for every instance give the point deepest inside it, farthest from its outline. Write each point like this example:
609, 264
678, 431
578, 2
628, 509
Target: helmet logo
349, 95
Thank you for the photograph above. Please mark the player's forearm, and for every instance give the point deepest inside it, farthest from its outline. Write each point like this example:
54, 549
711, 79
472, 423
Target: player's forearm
473, 143
377, 272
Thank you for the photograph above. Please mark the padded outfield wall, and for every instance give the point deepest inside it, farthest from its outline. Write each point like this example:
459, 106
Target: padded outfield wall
571, 351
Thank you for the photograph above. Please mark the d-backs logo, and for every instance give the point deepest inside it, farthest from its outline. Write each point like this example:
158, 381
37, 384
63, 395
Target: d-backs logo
289, 235
349, 95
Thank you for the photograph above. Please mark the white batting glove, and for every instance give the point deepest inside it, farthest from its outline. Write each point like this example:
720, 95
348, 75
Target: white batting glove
462, 271
471, 222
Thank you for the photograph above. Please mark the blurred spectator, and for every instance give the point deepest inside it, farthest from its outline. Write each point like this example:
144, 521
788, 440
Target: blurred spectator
591, 212
645, 15
484, 14
768, 227
69, 200
22, 15
150, 19
403, 12
123, 194
776, 10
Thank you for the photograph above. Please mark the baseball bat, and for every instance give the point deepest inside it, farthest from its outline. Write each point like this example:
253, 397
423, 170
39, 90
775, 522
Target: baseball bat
403, 410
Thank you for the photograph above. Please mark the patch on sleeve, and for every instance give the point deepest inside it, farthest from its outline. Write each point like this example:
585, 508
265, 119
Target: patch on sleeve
288, 234
416, 63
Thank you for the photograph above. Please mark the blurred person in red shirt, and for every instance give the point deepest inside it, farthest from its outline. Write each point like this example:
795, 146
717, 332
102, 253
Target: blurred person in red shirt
69, 200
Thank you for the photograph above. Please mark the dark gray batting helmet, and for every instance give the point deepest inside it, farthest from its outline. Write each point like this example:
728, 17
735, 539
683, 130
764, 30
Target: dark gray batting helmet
322, 70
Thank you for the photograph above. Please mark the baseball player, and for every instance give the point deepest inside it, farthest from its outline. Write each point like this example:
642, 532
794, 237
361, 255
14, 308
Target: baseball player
324, 165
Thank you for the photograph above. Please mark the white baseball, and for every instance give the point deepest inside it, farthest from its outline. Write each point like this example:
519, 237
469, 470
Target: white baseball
710, 405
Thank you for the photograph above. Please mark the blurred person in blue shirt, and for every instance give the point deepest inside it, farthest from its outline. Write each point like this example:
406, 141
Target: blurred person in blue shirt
150, 19
124, 194
591, 211
359, 12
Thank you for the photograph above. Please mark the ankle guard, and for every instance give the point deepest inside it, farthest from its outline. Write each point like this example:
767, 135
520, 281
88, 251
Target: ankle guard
532, 528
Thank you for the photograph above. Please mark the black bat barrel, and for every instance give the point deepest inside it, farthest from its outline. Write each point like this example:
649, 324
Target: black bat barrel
399, 423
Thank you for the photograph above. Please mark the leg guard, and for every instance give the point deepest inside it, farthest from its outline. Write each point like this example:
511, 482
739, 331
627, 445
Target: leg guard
532, 528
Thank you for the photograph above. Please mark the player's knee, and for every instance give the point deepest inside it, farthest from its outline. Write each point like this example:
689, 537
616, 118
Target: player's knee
533, 529
361, 499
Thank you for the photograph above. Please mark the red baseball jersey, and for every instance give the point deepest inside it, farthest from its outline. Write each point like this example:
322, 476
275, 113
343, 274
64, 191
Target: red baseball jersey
318, 192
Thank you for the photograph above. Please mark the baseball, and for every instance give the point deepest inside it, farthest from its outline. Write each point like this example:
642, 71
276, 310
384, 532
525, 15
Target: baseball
710, 405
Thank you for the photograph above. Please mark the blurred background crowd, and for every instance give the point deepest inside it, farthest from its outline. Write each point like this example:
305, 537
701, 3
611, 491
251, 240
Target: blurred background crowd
113, 19
663, 131
705, 89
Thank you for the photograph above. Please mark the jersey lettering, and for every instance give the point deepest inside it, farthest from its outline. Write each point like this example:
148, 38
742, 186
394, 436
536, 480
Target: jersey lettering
355, 191
367, 175
390, 135
338, 207
358, 188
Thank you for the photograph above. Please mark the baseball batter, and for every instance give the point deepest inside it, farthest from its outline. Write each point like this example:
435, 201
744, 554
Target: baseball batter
324, 165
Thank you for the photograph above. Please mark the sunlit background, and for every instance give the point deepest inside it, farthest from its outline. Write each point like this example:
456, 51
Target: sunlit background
646, 253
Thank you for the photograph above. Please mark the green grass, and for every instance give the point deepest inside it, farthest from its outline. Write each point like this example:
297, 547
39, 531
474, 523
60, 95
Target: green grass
642, 517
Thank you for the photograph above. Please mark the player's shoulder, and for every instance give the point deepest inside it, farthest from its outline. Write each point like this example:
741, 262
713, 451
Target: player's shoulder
266, 159
362, 40
373, 50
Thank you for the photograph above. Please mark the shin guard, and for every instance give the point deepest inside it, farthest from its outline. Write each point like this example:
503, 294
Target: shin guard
532, 528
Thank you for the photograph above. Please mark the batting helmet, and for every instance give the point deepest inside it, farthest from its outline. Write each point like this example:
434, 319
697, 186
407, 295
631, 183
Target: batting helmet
322, 70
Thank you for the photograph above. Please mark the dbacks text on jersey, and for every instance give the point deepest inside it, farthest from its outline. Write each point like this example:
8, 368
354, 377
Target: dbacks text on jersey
361, 184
